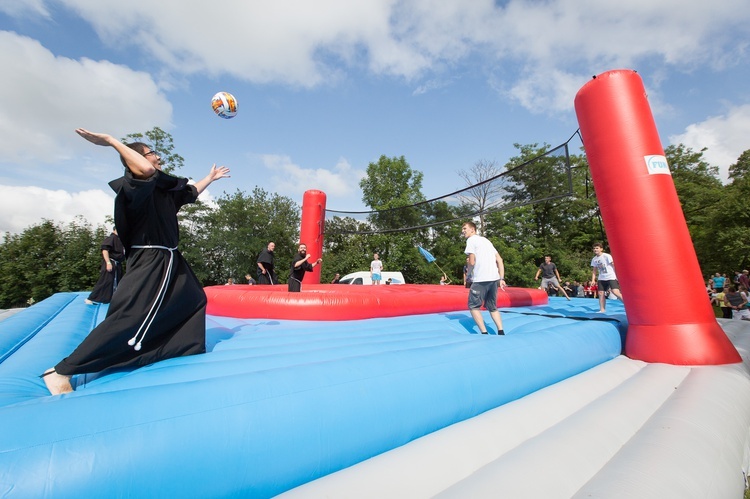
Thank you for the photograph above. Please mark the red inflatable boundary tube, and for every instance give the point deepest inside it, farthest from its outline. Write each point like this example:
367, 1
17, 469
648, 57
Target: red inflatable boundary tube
340, 302
643, 219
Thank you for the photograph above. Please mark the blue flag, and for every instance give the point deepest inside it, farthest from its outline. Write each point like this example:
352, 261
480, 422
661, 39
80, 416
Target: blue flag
426, 254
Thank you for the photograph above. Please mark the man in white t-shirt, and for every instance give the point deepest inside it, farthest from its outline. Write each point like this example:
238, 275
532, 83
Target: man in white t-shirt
603, 263
488, 274
376, 269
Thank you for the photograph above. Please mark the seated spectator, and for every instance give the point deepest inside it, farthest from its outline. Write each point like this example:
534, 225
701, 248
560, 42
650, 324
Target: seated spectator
738, 304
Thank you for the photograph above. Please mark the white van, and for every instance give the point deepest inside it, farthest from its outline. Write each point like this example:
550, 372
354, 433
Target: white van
363, 277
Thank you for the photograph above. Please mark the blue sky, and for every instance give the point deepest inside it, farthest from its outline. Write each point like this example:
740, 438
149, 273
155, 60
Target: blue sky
326, 87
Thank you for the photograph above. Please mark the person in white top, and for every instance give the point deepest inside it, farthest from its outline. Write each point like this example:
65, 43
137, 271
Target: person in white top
376, 269
488, 274
603, 263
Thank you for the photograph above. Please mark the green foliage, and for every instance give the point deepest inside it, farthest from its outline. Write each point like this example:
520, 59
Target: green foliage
563, 228
161, 142
225, 239
47, 258
391, 183
345, 253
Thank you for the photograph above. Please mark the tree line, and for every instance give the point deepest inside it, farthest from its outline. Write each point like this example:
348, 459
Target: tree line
225, 240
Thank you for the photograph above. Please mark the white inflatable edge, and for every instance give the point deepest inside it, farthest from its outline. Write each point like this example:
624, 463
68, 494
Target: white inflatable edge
621, 429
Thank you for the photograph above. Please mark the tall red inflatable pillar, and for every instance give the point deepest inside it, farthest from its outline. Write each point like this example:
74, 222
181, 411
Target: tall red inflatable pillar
671, 322
311, 229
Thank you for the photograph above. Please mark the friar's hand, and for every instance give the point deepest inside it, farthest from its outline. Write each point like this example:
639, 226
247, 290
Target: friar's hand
100, 139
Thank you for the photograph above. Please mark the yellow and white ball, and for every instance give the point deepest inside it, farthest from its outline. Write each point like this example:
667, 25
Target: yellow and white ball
224, 105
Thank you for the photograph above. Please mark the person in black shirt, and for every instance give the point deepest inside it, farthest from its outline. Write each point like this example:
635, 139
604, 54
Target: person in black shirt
159, 310
300, 265
266, 274
113, 255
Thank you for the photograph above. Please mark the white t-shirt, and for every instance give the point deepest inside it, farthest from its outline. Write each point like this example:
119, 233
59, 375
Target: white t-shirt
376, 266
605, 265
485, 266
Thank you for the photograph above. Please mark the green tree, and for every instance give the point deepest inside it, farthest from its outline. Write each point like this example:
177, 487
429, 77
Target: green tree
393, 188
161, 142
225, 241
79, 259
548, 214
444, 242
47, 258
345, 249
730, 222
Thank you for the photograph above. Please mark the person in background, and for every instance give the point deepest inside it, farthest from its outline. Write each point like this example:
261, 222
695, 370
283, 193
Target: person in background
718, 300
489, 274
113, 255
737, 302
159, 309
376, 268
300, 265
336, 279
266, 274
607, 282
550, 276
250, 279
388, 281
744, 279
719, 282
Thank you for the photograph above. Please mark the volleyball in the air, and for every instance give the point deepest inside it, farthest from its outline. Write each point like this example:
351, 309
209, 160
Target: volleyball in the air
224, 105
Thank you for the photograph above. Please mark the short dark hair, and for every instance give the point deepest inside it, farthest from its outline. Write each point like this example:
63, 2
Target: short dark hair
138, 147
471, 224
598, 244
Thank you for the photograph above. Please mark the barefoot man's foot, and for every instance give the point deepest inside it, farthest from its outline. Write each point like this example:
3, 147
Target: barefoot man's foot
56, 383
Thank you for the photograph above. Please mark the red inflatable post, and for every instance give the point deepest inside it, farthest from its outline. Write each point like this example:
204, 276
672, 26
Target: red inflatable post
311, 229
670, 318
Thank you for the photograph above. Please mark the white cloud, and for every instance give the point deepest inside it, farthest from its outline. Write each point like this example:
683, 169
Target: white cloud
23, 8
44, 98
289, 179
300, 43
547, 92
22, 207
726, 137
255, 41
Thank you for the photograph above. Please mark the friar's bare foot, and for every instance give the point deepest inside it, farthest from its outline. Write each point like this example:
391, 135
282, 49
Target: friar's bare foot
56, 383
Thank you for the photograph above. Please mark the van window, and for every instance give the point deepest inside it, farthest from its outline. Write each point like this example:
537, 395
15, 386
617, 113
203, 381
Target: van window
358, 280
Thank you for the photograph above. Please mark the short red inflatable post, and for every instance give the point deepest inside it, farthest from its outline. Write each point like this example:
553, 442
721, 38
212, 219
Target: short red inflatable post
311, 229
669, 315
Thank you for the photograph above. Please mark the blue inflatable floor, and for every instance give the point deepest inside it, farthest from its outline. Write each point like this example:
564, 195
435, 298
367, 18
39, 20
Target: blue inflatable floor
274, 403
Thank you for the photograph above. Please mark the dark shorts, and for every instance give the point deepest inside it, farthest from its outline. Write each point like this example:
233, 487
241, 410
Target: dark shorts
483, 293
605, 286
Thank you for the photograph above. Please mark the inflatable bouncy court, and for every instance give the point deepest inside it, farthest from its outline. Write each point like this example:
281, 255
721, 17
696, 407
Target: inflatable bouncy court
411, 406
352, 391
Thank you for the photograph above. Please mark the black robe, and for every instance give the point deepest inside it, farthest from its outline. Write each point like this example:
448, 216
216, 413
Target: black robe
108, 281
159, 295
266, 258
298, 273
